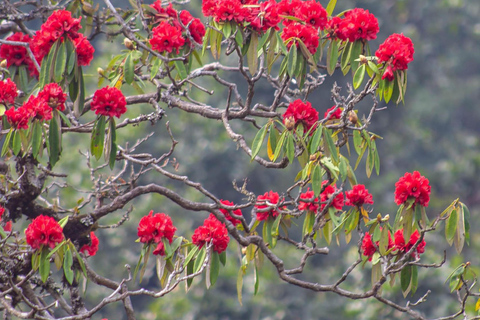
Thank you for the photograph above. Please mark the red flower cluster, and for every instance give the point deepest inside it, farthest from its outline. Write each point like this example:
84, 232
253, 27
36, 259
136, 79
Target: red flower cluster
53, 95
272, 198
213, 231
109, 101
358, 24
403, 247
8, 92
369, 249
225, 10
169, 34
263, 16
59, 26
358, 196
337, 114
300, 112
93, 247
8, 225
43, 231
412, 186
153, 228
310, 206
396, 52
327, 194
17, 55
311, 12
237, 212
18, 118
167, 38
306, 33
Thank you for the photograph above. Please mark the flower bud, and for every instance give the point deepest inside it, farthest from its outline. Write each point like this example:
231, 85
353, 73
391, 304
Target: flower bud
379, 218
128, 44
352, 117
289, 123
3, 64
100, 71
363, 59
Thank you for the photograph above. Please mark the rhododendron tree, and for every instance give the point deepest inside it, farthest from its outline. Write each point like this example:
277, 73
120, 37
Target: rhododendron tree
170, 66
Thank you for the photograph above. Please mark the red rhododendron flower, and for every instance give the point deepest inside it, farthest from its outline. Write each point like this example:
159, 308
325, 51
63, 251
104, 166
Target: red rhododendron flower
159, 250
313, 14
153, 228
306, 33
2, 211
43, 231
167, 38
59, 24
412, 186
84, 50
196, 27
17, 55
226, 212
402, 247
272, 198
358, 196
53, 95
358, 24
213, 231
288, 8
18, 118
230, 10
167, 13
8, 92
368, 249
109, 101
208, 7
310, 206
337, 114
327, 194
38, 108
332, 27
8, 226
264, 16
93, 247
300, 112
396, 52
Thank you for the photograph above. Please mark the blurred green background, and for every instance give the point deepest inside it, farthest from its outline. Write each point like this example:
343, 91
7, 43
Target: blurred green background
435, 132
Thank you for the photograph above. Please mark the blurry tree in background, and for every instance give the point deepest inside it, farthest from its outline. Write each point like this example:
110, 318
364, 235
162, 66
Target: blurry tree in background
285, 109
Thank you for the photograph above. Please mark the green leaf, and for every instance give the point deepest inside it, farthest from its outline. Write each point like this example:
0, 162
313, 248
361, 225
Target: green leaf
44, 265
53, 139
466, 217
290, 148
388, 90
252, 54
332, 56
317, 180
279, 147
98, 137
36, 138
331, 145
67, 266
451, 226
331, 6
223, 258
129, 69
22, 72
357, 48
79, 102
373, 66
267, 231
406, 279
258, 140
17, 142
200, 259
241, 273
308, 223
180, 66
316, 139
292, 60
414, 282
214, 268
256, 280
60, 63
113, 144
273, 137
190, 255
7, 142
344, 61
358, 77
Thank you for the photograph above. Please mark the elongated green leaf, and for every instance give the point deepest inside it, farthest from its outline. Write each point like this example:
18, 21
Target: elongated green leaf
53, 139
406, 279
267, 231
388, 90
79, 102
190, 255
290, 148
451, 226
358, 77
292, 60
258, 140
316, 139
273, 137
180, 66
279, 147
129, 69
344, 61
214, 268
60, 63
17, 142
200, 259
466, 217
98, 137
414, 282
67, 266
331, 145
223, 258
113, 144
252, 54
44, 265
316, 180
332, 56
36, 138
331, 6
357, 48
7, 142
